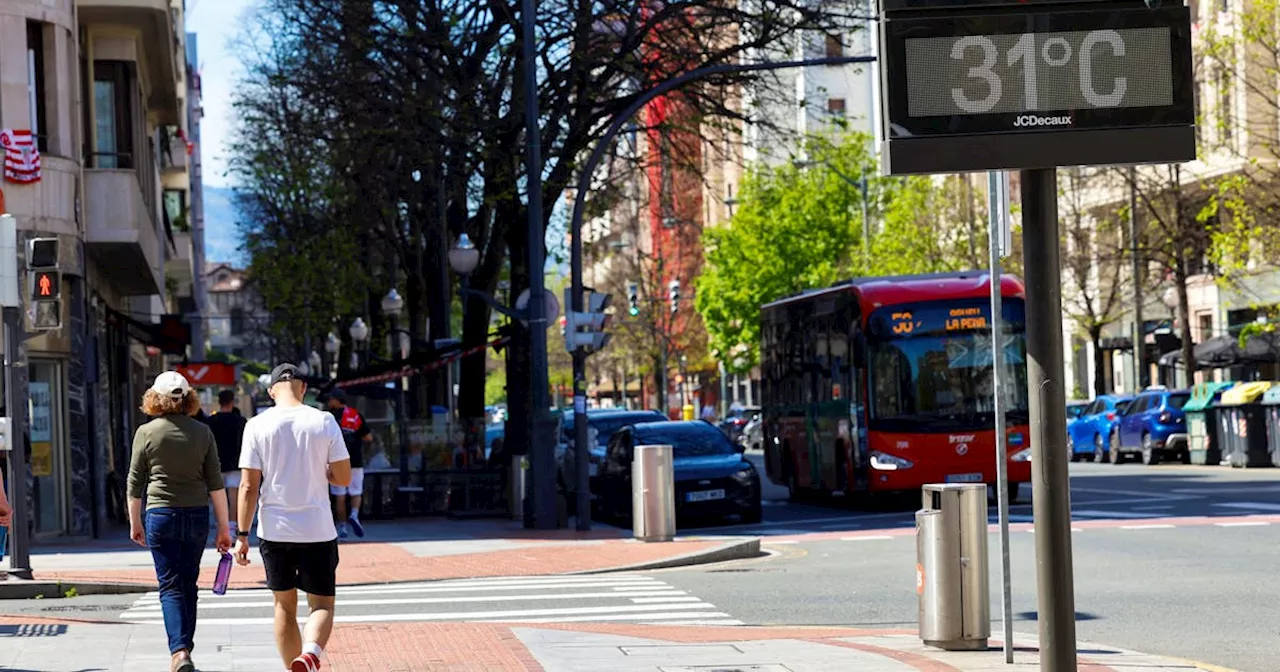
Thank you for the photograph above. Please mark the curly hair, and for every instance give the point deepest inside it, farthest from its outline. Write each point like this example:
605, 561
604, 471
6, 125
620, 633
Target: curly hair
156, 405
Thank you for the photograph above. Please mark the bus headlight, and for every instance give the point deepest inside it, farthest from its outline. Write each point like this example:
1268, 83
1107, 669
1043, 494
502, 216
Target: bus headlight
1023, 455
884, 462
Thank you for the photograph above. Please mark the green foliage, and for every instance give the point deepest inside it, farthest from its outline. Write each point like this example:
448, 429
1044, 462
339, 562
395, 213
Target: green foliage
801, 228
495, 386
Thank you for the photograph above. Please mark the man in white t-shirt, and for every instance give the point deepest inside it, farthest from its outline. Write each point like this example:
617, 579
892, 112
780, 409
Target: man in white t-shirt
291, 454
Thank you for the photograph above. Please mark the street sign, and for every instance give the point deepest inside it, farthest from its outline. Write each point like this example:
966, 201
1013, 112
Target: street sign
209, 373
1036, 87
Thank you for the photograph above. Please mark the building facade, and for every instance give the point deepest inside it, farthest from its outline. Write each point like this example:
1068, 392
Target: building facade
236, 319
103, 87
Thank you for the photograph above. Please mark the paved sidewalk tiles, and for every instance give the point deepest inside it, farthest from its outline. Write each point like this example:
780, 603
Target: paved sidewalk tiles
42, 645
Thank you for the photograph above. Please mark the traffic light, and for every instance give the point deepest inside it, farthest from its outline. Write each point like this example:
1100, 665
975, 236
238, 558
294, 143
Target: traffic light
633, 299
45, 283
673, 291
586, 329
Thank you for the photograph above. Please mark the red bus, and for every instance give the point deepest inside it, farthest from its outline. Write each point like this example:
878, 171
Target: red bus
880, 385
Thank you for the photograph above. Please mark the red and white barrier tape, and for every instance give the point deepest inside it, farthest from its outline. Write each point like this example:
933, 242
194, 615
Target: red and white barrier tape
411, 371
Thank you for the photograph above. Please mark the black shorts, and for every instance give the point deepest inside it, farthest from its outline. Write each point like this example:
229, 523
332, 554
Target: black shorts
311, 568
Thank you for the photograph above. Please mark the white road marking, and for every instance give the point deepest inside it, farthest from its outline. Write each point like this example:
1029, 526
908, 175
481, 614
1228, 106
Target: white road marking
1244, 523
1110, 514
615, 612
1257, 506
1147, 527
663, 600
878, 537
432, 600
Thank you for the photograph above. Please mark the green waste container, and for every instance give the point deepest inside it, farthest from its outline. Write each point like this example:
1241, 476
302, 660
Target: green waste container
1202, 417
1242, 426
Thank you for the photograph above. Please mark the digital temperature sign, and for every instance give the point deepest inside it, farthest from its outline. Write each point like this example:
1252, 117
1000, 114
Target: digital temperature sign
1036, 87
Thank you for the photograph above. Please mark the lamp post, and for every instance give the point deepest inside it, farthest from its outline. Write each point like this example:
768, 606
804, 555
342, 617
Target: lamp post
317, 364
331, 346
392, 306
359, 332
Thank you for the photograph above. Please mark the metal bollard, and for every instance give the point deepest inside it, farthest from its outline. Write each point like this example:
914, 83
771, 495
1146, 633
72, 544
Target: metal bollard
519, 475
653, 497
951, 569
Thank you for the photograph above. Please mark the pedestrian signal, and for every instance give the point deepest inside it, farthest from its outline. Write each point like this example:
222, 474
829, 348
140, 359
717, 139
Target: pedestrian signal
46, 285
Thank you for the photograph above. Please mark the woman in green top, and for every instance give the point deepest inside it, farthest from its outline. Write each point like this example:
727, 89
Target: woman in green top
175, 466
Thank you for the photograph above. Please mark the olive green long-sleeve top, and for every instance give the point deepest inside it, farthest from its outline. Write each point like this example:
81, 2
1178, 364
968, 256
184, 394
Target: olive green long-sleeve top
175, 463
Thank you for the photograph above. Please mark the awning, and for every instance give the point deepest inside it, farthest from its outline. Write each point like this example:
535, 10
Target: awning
1218, 352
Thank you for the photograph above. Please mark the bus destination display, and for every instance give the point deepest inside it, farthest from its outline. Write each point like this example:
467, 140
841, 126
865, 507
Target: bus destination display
935, 319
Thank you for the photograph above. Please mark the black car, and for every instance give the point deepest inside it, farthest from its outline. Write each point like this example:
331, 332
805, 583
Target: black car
606, 422
711, 477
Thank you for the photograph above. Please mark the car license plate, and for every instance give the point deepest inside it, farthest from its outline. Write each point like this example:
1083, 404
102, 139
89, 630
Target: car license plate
964, 478
704, 495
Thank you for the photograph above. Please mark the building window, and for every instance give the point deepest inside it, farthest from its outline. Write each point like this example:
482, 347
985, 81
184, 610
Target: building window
1225, 111
175, 209
835, 107
36, 84
835, 46
113, 127
237, 321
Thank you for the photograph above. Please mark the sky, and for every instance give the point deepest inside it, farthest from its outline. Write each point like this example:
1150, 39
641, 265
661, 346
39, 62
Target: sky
217, 22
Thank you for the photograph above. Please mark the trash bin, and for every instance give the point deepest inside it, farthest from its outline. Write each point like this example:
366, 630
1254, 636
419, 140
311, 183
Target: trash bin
1242, 426
951, 567
653, 496
1271, 402
1202, 412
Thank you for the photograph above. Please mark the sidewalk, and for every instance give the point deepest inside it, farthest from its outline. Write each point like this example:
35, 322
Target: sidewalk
493, 647
420, 550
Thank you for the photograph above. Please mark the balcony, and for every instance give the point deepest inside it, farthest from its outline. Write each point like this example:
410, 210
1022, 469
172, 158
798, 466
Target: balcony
159, 41
179, 268
121, 235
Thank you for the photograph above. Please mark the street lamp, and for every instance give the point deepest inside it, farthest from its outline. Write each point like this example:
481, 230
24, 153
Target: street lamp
331, 346
464, 257
317, 364
359, 334
392, 306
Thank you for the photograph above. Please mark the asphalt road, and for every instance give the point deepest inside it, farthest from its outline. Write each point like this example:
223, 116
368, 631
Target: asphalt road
1172, 560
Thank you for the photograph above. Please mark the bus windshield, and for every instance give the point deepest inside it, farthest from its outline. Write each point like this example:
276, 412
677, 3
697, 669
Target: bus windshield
930, 367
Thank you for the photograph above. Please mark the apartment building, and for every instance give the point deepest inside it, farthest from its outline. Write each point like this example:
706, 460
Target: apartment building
1237, 111
103, 86
236, 317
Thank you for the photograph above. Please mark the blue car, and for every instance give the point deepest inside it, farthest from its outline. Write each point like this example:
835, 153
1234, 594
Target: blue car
1154, 428
1090, 433
712, 479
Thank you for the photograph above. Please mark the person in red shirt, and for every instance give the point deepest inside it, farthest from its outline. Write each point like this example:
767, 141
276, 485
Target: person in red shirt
355, 432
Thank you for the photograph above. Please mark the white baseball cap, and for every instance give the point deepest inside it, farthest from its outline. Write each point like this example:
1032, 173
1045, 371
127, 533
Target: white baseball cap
171, 383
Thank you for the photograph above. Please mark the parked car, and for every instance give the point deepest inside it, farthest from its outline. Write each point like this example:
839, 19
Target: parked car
1090, 433
737, 419
1153, 428
711, 477
605, 422
1075, 409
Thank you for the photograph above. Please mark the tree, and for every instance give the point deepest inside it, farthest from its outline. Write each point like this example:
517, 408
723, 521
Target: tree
1093, 263
797, 229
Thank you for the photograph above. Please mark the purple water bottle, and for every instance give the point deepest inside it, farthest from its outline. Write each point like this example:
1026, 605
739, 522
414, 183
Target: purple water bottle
224, 575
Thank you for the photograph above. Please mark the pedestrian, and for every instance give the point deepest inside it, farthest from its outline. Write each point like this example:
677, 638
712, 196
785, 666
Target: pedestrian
6, 514
175, 467
228, 430
355, 433
291, 453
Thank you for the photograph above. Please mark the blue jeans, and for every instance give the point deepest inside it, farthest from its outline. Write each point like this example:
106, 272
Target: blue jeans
177, 537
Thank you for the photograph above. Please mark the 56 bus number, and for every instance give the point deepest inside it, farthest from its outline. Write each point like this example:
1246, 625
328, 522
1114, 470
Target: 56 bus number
1055, 52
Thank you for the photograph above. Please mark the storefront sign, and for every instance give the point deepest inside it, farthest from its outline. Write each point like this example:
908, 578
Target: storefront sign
41, 411
209, 374
41, 459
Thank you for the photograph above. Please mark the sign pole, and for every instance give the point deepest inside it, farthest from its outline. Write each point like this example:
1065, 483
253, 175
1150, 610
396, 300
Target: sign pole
997, 188
1051, 497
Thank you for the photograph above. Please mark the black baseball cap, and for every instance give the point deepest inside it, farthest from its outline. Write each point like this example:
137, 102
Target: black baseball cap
337, 393
284, 372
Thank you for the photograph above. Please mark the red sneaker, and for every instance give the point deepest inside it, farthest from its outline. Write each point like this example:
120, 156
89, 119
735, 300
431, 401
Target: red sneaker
307, 662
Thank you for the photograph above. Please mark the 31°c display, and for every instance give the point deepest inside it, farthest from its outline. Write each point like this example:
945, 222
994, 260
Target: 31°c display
981, 90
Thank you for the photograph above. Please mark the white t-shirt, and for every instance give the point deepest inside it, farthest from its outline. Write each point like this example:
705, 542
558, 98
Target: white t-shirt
293, 448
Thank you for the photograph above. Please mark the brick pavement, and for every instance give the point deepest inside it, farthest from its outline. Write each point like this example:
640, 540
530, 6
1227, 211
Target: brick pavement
497, 647
365, 563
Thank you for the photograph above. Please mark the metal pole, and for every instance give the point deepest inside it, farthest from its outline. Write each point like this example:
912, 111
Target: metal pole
541, 443
1051, 497
1139, 337
997, 215
400, 419
15, 406
866, 223
581, 451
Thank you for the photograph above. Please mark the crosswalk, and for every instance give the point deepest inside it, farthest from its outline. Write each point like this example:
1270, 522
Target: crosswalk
631, 598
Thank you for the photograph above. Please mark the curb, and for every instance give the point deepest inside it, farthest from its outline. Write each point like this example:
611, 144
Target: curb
30, 590
737, 549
